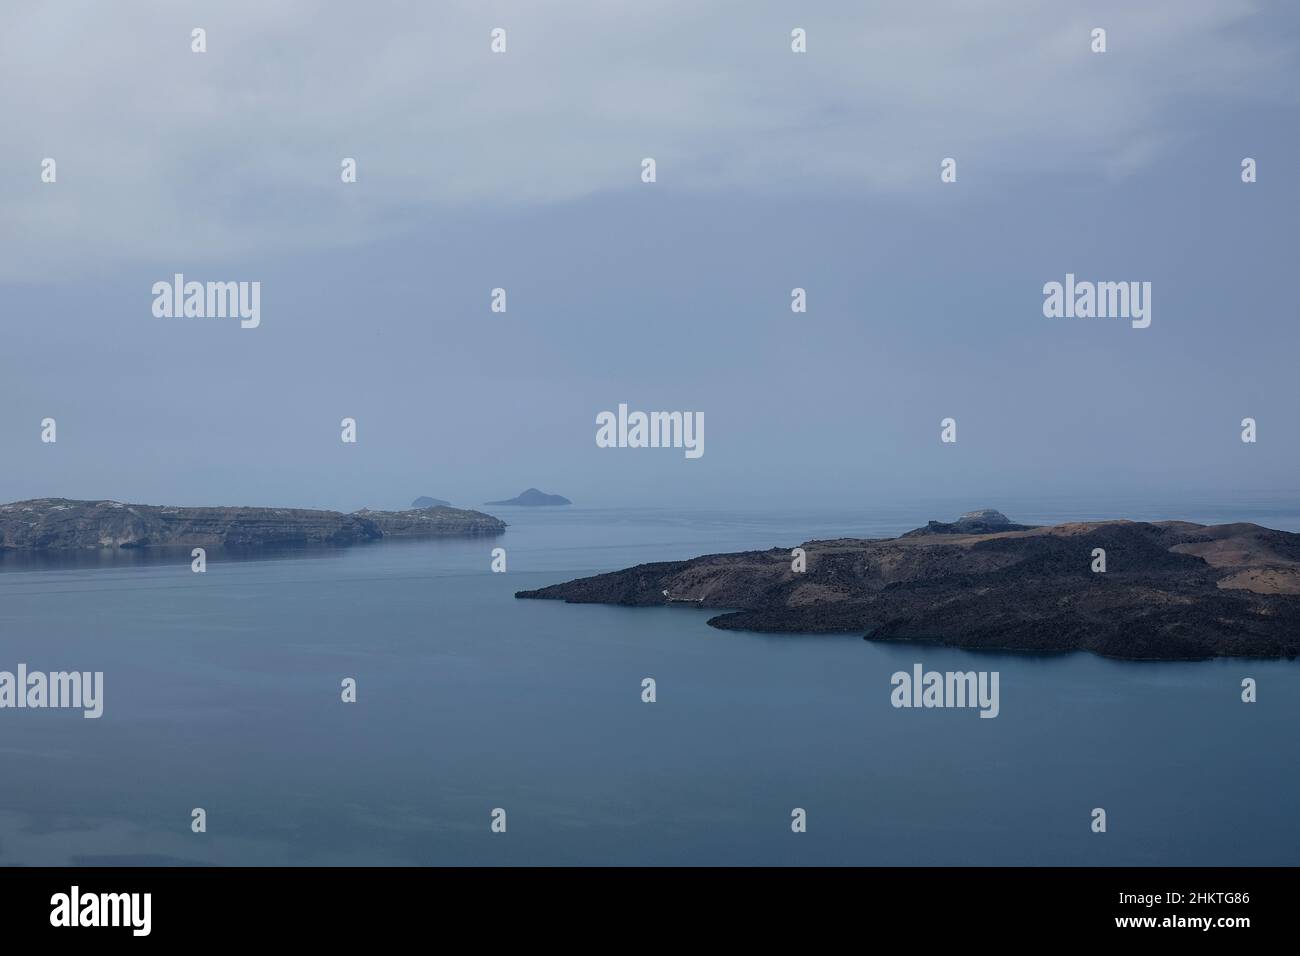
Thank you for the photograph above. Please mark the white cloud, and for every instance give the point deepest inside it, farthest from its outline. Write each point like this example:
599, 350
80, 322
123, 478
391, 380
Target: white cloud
236, 152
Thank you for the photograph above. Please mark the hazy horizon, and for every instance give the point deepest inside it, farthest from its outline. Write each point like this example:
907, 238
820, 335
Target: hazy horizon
760, 288
775, 171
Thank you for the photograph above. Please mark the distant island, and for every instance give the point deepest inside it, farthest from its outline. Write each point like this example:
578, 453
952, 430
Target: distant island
424, 501
49, 524
1171, 590
984, 521
532, 498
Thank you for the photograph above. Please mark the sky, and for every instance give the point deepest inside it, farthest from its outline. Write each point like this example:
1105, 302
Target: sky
522, 170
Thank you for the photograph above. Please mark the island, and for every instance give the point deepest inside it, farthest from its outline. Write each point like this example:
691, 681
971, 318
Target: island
1170, 590
532, 498
51, 524
424, 501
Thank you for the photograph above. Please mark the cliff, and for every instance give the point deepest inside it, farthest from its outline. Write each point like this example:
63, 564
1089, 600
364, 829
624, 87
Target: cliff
431, 522
61, 523
1171, 589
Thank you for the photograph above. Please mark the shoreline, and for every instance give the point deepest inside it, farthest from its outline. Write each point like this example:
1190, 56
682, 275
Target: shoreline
1172, 590
50, 525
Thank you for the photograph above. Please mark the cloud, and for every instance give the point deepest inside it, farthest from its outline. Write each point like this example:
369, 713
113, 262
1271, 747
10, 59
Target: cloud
166, 154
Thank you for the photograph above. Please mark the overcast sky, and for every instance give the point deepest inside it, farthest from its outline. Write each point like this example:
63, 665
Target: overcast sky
522, 170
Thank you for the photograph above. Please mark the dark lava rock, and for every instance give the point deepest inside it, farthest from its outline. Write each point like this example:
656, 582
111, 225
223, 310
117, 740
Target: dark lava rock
1171, 590
984, 521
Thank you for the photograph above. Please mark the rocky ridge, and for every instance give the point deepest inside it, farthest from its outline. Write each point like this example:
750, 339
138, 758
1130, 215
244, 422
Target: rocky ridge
46, 524
1171, 589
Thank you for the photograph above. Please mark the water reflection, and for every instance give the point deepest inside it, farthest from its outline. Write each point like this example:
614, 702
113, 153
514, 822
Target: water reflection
107, 558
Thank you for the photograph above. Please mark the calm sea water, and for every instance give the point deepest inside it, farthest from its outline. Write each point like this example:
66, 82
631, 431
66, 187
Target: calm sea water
222, 692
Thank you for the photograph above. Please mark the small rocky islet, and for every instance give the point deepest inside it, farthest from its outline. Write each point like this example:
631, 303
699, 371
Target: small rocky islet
424, 501
1171, 590
531, 498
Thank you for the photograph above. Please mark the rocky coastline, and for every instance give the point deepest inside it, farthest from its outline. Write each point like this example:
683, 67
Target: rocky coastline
1170, 590
61, 524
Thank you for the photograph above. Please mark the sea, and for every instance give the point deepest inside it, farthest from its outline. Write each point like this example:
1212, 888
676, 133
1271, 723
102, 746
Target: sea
489, 730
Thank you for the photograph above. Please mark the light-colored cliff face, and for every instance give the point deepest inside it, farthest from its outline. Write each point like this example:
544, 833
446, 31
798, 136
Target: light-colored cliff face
60, 524
432, 522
